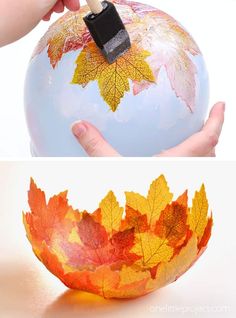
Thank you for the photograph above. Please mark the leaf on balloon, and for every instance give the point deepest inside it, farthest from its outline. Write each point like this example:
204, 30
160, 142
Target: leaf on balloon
67, 34
170, 48
158, 197
139, 8
181, 72
114, 253
113, 79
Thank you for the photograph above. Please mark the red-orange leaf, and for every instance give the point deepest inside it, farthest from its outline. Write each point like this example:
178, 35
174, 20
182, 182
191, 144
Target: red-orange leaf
172, 223
92, 234
135, 219
44, 218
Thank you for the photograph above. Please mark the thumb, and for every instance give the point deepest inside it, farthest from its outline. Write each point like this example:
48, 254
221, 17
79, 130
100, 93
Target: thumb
92, 141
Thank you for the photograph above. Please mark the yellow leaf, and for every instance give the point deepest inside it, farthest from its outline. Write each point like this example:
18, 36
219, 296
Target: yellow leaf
198, 215
113, 79
152, 250
128, 276
111, 213
158, 197
169, 272
137, 202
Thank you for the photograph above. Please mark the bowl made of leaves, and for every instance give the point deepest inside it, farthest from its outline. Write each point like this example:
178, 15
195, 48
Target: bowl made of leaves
116, 252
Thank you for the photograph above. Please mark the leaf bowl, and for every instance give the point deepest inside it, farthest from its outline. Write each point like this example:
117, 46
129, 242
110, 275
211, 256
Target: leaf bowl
115, 252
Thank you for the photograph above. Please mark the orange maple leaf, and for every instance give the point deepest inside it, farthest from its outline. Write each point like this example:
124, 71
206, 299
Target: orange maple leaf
69, 33
172, 224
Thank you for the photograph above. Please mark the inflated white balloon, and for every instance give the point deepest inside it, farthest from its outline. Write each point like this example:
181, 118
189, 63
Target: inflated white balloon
150, 117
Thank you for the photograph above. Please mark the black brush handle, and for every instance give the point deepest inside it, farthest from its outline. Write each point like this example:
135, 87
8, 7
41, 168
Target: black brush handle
105, 25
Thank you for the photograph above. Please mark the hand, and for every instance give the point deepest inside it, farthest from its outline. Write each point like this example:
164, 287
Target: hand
17, 18
201, 144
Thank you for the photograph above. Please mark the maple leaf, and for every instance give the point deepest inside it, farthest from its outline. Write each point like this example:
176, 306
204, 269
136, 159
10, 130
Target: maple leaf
69, 33
132, 283
169, 48
91, 233
172, 224
198, 215
157, 199
111, 213
113, 79
44, 218
95, 248
152, 249
134, 219
169, 272
104, 280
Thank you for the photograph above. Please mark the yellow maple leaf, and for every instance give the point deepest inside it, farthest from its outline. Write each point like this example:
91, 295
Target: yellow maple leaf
198, 215
129, 275
152, 250
168, 272
158, 197
113, 79
111, 213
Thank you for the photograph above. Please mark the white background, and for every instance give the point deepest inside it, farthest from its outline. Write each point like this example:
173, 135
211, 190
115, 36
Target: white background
28, 290
212, 24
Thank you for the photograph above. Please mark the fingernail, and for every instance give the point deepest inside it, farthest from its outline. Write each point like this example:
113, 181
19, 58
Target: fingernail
79, 129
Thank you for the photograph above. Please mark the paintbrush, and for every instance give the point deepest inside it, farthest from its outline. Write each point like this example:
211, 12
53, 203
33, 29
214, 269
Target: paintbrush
107, 29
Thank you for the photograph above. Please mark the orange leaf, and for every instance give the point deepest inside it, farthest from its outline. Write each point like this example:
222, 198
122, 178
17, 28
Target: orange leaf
206, 235
69, 33
44, 218
172, 222
104, 281
92, 234
135, 219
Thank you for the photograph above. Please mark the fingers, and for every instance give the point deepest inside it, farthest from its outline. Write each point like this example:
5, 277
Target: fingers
59, 7
47, 17
92, 141
72, 5
202, 144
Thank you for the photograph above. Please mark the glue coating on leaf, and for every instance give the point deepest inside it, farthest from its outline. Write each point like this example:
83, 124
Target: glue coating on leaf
158, 41
115, 254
